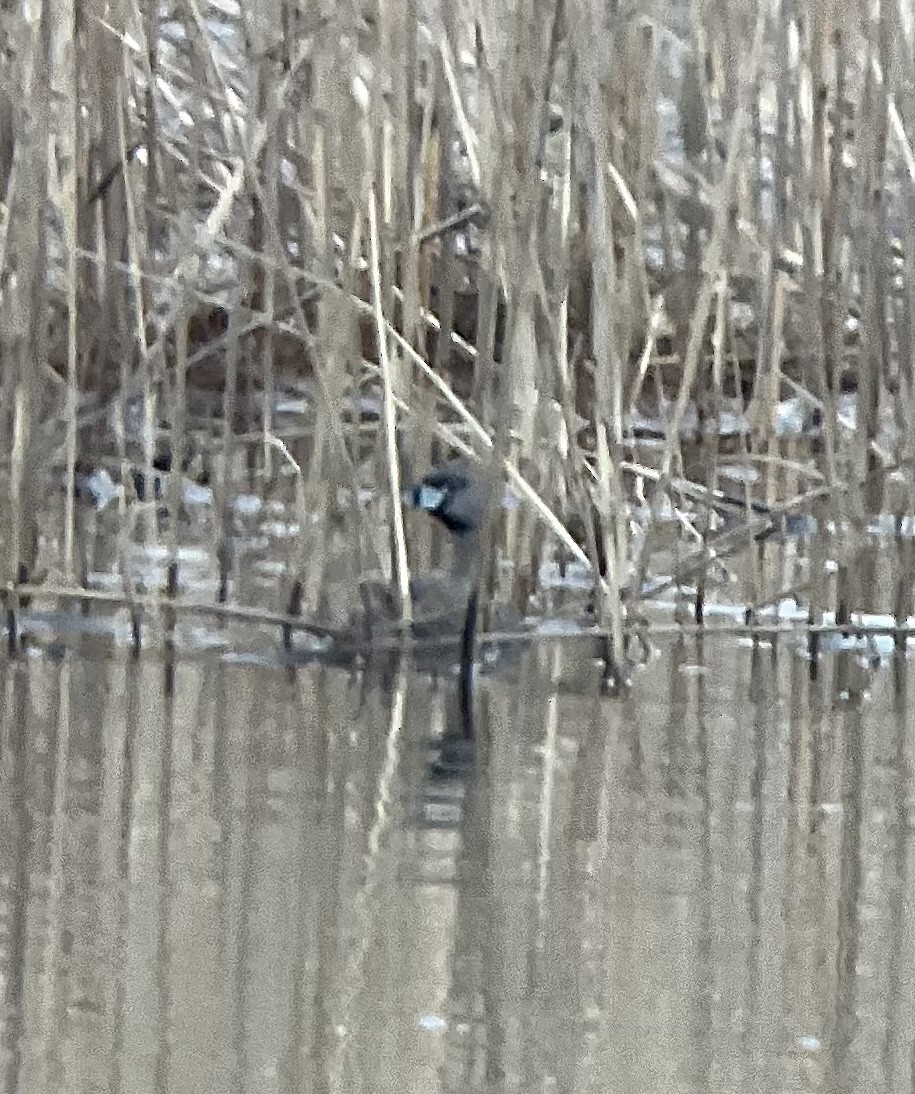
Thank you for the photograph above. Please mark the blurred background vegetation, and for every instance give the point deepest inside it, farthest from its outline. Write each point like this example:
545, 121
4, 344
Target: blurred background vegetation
658, 256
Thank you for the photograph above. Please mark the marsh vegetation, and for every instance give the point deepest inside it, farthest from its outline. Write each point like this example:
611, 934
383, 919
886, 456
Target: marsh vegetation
655, 260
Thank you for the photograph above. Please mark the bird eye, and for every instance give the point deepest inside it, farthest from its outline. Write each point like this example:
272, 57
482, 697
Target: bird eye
430, 498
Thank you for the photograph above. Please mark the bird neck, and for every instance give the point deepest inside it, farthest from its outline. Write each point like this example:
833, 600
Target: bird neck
466, 556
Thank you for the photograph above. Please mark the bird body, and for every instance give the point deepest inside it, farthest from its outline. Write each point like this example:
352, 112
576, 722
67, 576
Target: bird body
456, 494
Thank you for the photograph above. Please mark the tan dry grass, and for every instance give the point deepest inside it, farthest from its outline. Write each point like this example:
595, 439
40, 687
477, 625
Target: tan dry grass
209, 158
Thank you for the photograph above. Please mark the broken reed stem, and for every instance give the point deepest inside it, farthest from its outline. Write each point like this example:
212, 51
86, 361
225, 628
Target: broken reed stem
614, 549
228, 452
178, 412
301, 504
70, 202
402, 572
17, 474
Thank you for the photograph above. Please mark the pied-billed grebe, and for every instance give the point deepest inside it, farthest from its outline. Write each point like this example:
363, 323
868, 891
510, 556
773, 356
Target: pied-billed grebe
456, 494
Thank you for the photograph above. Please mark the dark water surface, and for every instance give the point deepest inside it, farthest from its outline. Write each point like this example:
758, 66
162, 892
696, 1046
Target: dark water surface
285, 882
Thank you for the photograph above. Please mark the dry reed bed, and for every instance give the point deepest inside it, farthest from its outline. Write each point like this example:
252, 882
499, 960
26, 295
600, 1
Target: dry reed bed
672, 213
